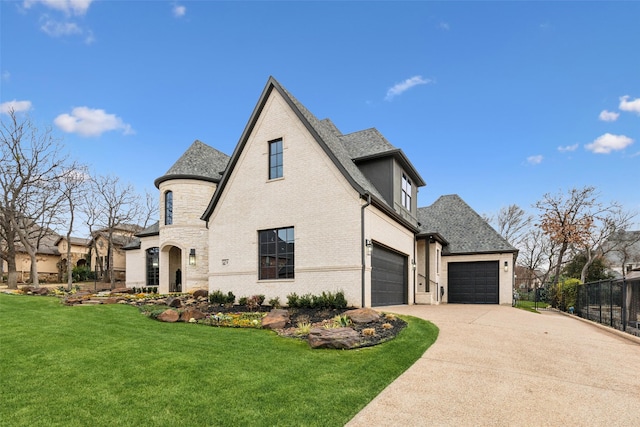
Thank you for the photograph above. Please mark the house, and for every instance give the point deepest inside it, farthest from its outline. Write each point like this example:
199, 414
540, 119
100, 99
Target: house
623, 254
122, 235
79, 251
300, 207
47, 259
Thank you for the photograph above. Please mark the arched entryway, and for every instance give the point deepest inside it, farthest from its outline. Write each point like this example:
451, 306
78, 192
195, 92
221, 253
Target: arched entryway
172, 269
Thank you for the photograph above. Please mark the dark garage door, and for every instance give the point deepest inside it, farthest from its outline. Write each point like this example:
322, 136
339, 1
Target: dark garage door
388, 277
473, 282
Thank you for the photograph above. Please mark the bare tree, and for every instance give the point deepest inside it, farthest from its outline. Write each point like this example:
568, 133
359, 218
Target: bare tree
149, 210
73, 187
568, 219
119, 206
30, 169
607, 221
625, 247
513, 223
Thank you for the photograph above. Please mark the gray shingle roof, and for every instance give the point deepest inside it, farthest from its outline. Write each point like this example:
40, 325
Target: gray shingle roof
366, 143
200, 161
465, 230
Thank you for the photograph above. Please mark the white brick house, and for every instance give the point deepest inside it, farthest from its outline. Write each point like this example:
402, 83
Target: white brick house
298, 207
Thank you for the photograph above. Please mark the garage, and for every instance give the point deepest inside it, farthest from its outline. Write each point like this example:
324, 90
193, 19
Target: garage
388, 277
473, 282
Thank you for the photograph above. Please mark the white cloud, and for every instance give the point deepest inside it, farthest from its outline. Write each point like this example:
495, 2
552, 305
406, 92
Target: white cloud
608, 116
69, 7
179, 11
6, 76
87, 121
399, 88
17, 106
535, 160
57, 29
607, 143
631, 106
567, 148
444, 26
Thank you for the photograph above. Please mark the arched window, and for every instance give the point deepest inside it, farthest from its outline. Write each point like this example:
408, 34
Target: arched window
168, 208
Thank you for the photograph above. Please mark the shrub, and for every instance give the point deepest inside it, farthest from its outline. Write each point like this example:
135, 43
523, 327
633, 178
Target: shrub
341, 321
243, 300
303, 328
387, 326
81, 273
292, 300
368, 332
217, 297
305, 301
275, 302
255, 302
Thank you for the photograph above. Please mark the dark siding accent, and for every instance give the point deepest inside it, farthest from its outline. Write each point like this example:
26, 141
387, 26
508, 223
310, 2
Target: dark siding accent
388, 277
473, 282
380, 173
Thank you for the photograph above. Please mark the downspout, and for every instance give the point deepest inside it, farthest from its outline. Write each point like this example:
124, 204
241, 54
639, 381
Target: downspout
414, 268
362, 245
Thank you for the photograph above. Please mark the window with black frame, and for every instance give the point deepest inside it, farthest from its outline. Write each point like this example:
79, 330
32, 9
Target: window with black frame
153, 266
276, 254
168, 208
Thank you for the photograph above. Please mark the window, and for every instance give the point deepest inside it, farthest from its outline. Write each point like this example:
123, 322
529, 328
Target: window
168, 208
276, 254
275, 159
406, 192
153, 267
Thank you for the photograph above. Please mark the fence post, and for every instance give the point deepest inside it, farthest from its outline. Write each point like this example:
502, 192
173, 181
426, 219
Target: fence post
624, 303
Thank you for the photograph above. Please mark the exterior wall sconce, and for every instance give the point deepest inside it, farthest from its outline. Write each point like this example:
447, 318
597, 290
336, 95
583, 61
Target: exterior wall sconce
506, 266
369, 245
192, 257
413, 264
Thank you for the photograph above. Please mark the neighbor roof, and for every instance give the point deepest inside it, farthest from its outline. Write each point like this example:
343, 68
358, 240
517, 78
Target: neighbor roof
462, 227
200, 161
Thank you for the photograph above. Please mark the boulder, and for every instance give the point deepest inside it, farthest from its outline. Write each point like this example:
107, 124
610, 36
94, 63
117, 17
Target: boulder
170, 316
362, 315
191, 313
122, 291
338, 338
201, 293
113, 300
174, 302
72, 300
40, 291
275, 319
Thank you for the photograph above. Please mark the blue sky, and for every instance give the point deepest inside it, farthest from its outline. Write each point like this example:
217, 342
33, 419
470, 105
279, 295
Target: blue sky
499, 102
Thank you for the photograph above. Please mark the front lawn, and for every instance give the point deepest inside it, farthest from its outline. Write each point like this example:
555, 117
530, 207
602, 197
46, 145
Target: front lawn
531, 305
109, 365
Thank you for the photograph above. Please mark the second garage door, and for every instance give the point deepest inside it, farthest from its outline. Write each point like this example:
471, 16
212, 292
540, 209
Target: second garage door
388, 277
473, 282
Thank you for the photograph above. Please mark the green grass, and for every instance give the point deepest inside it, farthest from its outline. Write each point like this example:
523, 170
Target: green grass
109, 365
530, 305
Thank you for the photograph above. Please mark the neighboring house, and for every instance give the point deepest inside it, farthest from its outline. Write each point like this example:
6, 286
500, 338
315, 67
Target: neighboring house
122, 236
527, 279
79, 251
625, 260
301, 208
47, 258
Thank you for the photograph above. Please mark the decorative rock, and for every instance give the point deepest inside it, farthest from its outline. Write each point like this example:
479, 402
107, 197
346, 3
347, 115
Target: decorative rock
362, 315
338, 338
122, 291
201, 293
72, 300
40, 291
113, 300
275, 319
170, 316
174, 302
191, 313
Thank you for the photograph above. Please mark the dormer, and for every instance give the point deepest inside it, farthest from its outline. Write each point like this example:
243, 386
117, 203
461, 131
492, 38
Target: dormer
387, 168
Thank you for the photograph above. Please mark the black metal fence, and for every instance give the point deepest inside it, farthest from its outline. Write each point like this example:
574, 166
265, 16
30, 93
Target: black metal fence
615, 303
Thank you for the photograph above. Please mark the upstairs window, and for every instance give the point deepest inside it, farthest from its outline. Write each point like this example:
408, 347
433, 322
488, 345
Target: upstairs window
168, 208
406, 192
275, 159
276, 254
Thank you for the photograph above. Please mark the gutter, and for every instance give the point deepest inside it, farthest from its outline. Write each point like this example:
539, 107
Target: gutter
362, 244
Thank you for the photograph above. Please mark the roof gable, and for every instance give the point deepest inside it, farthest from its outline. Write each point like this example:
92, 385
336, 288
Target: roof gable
323, 132
200, 161
461, 226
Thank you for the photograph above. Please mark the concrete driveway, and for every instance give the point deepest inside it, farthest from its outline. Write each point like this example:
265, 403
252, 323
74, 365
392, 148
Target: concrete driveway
501, 366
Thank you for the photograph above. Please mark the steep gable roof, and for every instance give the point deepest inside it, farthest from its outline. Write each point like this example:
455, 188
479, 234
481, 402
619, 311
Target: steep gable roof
325, 134
200, 161
462, 227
